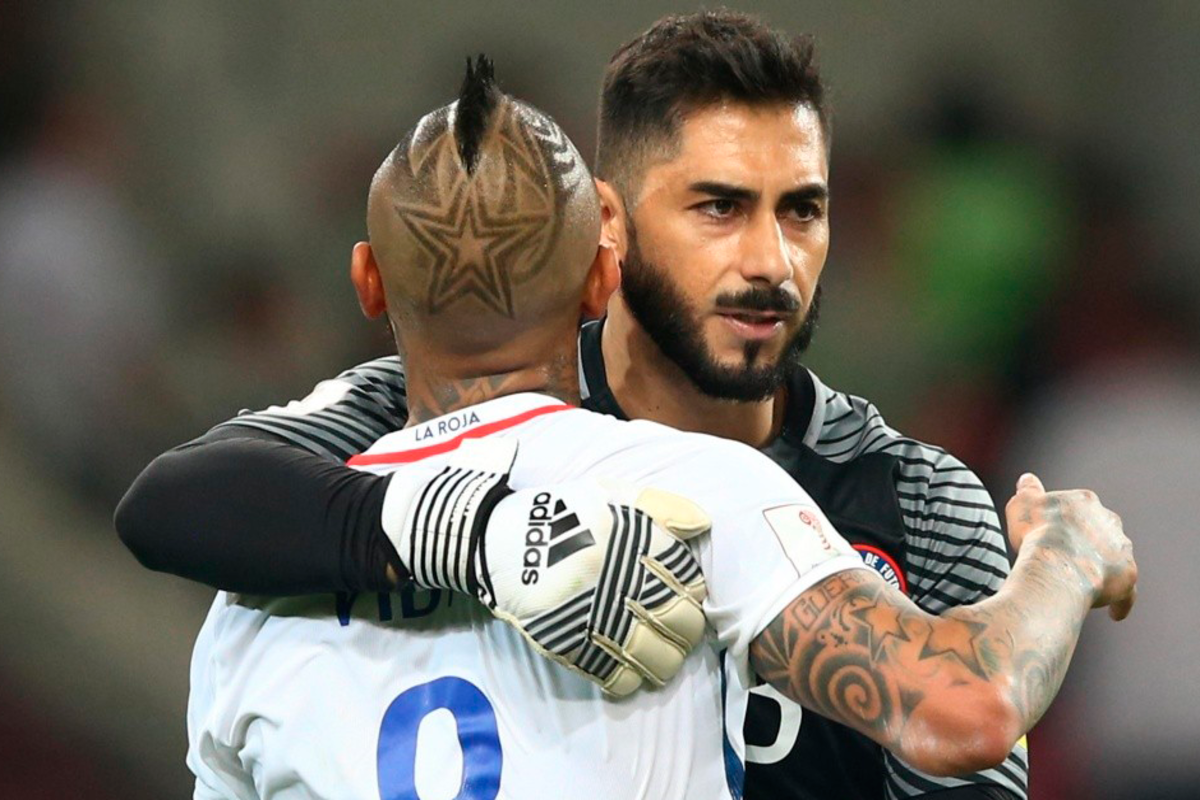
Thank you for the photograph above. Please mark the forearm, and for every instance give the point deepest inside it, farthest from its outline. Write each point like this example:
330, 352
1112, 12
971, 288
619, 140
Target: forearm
948, 694
856, 650
256, 516
1027, 631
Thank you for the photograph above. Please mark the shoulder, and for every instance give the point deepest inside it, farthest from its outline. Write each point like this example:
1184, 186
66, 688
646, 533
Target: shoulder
341, 416
954, 544
382, 379
847, 426
387, 371
659, 448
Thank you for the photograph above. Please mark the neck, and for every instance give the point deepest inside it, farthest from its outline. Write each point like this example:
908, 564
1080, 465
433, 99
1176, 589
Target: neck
648, 385
433, 392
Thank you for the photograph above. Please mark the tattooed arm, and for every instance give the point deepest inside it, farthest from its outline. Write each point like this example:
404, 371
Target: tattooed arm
952, 694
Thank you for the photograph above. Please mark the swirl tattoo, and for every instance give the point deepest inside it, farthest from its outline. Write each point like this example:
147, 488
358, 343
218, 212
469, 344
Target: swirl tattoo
857, 651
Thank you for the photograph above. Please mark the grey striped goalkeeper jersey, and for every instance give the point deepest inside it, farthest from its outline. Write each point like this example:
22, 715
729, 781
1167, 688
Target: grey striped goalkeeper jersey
914, 512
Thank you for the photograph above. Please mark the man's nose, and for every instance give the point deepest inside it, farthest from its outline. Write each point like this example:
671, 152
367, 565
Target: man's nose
765, 256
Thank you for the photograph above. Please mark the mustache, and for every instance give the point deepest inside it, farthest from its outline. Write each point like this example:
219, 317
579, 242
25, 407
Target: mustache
760, 299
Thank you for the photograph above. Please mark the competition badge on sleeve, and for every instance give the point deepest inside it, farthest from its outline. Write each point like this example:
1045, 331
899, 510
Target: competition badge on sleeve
883, 563
807, 537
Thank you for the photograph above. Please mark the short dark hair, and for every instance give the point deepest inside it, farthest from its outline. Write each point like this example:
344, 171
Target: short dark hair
683, 63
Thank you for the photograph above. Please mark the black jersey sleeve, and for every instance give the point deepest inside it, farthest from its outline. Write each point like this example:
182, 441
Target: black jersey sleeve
342, 416
240, 511
261, 504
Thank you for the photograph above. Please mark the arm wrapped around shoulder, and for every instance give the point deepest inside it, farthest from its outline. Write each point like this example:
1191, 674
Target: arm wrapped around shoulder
951, 694
856, 650
241, 511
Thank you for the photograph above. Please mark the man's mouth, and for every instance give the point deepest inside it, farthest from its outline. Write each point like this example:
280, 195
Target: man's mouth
753, 324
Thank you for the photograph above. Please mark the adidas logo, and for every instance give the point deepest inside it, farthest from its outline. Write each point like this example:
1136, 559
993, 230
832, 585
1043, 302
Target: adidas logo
552, 535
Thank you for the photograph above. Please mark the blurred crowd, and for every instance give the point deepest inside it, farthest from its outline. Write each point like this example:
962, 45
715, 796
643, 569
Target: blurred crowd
994, 287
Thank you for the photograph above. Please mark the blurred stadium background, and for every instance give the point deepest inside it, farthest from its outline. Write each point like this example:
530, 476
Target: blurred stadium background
1015, 275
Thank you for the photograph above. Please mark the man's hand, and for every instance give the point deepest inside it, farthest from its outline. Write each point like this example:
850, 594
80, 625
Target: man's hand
596, 577
1091, 536
950, 694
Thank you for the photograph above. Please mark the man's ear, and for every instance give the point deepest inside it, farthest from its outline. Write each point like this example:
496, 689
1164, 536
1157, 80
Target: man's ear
364, 274
612, 219
602, 280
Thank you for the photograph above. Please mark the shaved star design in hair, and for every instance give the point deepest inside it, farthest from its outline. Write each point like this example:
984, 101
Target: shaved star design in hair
485, 233
472, 248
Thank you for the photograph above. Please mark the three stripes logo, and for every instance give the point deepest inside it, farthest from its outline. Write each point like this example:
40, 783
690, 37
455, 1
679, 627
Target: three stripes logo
554, 533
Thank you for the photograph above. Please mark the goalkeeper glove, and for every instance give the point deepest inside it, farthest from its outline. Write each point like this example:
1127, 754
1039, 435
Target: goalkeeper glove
596, 576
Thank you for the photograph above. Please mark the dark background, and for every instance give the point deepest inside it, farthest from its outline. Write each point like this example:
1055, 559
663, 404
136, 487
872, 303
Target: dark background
1014, 276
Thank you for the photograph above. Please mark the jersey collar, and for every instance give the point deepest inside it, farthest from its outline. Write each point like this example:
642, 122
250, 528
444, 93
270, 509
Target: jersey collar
820, 395
593, 379
445, 433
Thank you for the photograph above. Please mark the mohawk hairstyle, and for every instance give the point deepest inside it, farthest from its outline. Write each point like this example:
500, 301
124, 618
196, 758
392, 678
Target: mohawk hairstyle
477, 100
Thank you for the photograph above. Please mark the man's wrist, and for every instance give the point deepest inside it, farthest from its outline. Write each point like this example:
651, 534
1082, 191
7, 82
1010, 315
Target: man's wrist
435, 524
1056, 549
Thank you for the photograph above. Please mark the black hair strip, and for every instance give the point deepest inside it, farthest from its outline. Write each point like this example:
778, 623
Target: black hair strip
477, 100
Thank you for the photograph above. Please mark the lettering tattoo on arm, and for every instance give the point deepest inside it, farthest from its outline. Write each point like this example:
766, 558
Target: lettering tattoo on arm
856, 650
825, 649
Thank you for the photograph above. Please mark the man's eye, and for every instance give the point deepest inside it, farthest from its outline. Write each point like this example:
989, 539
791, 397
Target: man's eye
719, 208
805, 212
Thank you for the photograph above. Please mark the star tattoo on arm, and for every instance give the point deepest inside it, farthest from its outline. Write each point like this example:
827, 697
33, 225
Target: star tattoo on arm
856, 650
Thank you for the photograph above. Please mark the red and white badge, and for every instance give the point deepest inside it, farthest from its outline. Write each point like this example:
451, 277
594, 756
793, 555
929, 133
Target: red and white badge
806, 535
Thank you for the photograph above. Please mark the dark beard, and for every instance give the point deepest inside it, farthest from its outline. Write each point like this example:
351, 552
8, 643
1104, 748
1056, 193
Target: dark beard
662, 311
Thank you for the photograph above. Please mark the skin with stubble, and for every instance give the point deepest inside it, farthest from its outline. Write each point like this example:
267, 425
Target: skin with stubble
752, 324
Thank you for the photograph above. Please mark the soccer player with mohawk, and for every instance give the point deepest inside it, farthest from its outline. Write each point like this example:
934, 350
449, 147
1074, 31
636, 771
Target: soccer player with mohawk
484, 224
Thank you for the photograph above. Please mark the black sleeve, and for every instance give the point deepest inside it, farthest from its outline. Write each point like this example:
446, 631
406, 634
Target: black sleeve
972, 792
237, 509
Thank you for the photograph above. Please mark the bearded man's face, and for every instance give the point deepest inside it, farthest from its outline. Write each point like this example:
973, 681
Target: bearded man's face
726, 243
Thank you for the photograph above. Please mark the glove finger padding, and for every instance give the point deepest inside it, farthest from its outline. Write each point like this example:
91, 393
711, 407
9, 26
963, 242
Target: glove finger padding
599, 588
658, 620
667, 621
678, 515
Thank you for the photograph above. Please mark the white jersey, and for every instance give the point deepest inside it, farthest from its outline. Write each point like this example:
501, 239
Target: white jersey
425, 695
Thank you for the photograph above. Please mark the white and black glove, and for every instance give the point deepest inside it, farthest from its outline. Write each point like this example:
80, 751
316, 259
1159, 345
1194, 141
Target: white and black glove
595, 575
